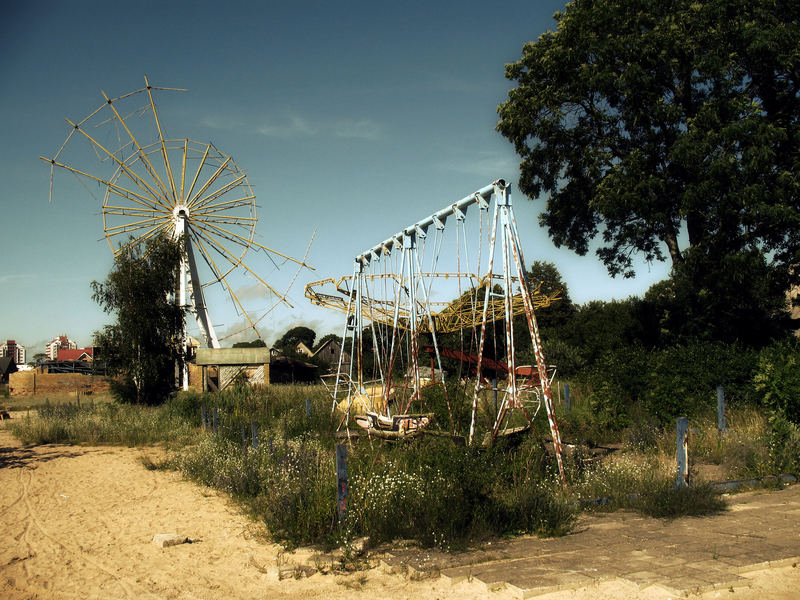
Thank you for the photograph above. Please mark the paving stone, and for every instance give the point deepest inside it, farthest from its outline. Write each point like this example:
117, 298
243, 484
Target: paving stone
681, 555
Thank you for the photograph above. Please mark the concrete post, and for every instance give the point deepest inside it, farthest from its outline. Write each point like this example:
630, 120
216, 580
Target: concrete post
254, 434
341, 476
682, 438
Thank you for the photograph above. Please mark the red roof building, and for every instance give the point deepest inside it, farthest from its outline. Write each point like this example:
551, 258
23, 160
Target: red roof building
62, 342
82, 354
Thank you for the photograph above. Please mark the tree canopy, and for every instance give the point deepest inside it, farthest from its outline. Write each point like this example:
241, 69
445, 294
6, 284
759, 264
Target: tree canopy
547, 275
141, 346
654, 126
294, 336
256, 343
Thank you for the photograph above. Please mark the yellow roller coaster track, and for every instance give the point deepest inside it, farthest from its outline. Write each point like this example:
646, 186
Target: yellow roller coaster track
462, 313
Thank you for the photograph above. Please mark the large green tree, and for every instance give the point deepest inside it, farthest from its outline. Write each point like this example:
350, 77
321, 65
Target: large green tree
664, 129
142, 346
287, 343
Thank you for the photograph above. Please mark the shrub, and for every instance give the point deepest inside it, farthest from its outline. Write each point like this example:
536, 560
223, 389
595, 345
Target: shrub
287, 484
667, 501
777, 379
784, 444
682, 380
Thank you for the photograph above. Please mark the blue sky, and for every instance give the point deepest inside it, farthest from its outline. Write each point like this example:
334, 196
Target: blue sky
353, 119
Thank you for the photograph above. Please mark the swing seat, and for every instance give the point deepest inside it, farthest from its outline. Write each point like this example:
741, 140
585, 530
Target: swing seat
396, 424
369, 399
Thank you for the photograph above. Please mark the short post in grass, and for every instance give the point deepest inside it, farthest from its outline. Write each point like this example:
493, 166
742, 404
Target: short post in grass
682, 439
567, 401
203, 417
721, 425
254, 434
494, 388
214, 420
308, 407
341, 479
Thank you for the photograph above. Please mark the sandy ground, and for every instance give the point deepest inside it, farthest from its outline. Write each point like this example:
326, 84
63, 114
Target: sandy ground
78, 522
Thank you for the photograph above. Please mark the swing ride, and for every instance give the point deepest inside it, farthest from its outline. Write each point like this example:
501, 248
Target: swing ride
396, 313
155, 185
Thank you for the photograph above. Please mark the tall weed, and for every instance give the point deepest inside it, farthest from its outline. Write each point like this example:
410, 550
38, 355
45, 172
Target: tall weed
123, 424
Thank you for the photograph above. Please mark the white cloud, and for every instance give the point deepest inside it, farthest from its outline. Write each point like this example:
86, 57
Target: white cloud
16, 278
293, 125
486, 163
257, 291
222, 122
364, 129
290, 126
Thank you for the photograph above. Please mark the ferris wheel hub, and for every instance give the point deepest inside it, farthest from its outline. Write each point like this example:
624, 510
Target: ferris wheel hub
181, 211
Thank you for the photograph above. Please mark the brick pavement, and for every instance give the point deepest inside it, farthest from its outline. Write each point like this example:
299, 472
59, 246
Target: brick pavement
761, 529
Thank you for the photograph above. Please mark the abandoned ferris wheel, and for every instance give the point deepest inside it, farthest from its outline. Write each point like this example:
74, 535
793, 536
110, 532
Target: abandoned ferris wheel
156, 185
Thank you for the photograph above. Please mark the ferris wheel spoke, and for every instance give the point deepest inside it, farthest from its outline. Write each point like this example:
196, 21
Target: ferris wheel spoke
219, 192
206, 256
245, 241
164, 154
108, 209
212, 230
183, 166
113, 187
143, 201
133, 176
224, 206
244, 222
132, 226
230, 257
197, 173
236, 301
143, 156
142, 238
208, 183
234, 222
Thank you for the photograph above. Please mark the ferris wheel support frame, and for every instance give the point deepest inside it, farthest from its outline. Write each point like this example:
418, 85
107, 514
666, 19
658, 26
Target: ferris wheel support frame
194, 302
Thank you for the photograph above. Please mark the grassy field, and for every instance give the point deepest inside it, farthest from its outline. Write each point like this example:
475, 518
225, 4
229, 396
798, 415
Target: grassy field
431, 489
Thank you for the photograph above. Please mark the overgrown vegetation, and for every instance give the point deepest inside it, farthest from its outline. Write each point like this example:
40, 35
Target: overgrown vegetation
102, 423
431, 489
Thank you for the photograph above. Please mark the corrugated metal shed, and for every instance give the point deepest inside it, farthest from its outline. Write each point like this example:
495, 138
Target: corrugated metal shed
232, 356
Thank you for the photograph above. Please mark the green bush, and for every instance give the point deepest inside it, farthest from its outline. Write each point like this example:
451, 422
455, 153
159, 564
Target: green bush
784, 444
777, 379
666, 501
671, 382
682, 380
617, 380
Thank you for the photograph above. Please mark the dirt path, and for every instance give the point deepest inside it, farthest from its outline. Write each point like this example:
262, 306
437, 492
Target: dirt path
77, 522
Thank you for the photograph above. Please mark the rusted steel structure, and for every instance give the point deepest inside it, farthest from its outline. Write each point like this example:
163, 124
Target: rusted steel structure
393, 297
